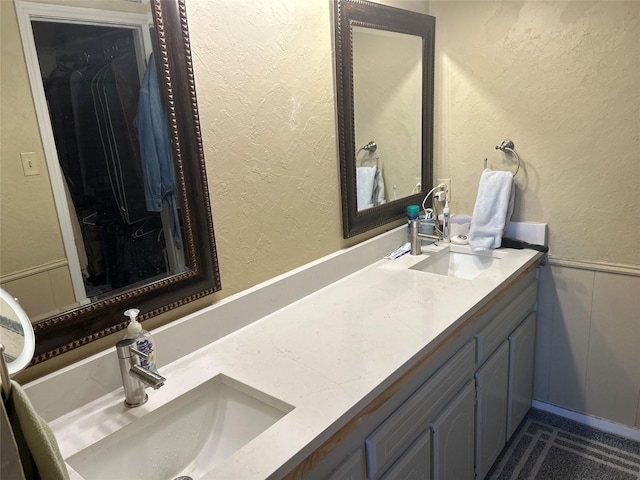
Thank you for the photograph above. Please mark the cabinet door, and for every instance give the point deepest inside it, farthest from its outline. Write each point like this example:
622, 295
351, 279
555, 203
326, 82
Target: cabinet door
415, 463
491, 409
453, 437
351, 469
401, 428
521, 361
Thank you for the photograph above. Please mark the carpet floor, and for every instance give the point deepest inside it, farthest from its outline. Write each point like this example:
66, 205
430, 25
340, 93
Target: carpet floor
549, 447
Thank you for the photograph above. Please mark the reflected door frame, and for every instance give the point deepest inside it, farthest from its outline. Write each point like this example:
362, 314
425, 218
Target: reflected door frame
28, 12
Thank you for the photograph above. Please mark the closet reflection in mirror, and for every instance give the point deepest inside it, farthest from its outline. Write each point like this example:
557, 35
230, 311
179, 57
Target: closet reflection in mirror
387, 91
114, 156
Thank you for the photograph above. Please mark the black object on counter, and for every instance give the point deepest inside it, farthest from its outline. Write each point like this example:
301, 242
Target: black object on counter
520, 245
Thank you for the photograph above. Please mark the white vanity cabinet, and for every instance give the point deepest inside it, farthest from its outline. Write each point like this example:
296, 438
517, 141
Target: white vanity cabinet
504, 379
453, 437
387, 442
350, 469
491, 407
415, 463
453, 416
521, 361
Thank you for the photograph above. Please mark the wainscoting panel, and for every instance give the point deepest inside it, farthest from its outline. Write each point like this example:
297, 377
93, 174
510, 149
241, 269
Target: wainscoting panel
570, 337
42, 291
638, 414
588, 341
613, 366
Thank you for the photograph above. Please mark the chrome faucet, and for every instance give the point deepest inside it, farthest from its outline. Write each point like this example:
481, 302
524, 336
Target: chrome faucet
415, 236
135, 377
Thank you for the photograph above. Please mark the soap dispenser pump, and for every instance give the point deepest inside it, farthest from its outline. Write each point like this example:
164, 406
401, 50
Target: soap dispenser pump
143, 340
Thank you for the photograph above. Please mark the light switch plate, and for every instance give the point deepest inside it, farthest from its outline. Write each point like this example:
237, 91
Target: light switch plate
30, 163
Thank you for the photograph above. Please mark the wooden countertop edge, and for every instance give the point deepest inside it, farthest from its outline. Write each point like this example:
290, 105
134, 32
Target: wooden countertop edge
332, 442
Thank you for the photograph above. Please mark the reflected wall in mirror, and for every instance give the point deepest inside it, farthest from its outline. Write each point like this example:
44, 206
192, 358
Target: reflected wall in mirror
385, 69
387, 90
126, 170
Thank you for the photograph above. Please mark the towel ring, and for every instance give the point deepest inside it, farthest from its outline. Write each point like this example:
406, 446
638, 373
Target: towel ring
370, 147
508, 146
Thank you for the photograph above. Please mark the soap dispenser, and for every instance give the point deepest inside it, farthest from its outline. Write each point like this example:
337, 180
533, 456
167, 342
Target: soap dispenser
143, 340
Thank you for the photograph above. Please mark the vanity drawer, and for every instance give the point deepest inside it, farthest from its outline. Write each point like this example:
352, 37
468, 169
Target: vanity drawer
415, 463
393, 436
490, 337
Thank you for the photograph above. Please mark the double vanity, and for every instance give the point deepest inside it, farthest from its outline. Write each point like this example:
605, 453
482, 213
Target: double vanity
350, 367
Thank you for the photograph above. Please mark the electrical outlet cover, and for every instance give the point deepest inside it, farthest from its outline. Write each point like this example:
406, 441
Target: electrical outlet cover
447, 183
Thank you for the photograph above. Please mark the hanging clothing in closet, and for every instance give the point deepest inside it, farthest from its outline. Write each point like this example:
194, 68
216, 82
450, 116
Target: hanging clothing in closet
63, 112
121, 156
157, 157
93, 97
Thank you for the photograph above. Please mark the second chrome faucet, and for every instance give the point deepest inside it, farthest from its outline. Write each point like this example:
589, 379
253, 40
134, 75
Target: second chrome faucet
415, 236
135, 377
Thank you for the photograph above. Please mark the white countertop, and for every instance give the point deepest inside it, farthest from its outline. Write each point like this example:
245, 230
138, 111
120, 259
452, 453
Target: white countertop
328, 355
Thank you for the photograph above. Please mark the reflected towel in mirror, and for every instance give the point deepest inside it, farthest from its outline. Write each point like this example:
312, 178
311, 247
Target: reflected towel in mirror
370, 185
492, 210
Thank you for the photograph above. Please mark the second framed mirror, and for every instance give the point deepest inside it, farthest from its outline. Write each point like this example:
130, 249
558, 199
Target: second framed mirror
385, 72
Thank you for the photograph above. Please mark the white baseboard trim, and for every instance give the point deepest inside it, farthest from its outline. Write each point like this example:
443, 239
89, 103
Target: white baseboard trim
599, 423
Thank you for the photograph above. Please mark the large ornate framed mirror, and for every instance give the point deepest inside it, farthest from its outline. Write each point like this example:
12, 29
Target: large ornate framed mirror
384, 78
135, 211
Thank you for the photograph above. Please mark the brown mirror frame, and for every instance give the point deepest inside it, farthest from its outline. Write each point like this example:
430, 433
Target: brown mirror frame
349, 13
77, 327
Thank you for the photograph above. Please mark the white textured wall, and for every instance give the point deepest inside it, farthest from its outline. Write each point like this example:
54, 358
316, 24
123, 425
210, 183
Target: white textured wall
264, 77
27, 214
561, 79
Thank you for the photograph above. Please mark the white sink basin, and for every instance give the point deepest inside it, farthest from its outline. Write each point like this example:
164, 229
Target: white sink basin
454, 262
190, 435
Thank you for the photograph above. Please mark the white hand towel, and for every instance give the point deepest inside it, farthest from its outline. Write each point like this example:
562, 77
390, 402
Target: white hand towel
365, 177
492, 211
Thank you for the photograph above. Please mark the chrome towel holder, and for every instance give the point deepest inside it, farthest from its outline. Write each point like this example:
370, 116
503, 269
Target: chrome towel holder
370, 147
508, 146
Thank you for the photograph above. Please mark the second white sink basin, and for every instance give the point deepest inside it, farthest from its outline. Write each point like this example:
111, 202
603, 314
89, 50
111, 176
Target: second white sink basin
190, 435
459, 263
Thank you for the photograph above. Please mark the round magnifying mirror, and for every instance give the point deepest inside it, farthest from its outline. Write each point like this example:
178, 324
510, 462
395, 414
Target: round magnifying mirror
16, 334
